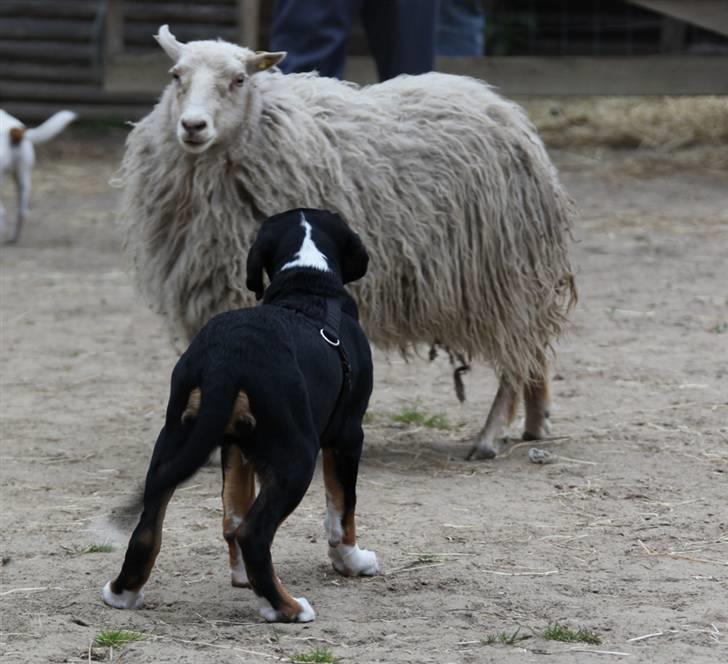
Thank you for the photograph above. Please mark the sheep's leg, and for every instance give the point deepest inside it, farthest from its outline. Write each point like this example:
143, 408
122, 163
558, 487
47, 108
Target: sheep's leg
536, 399
280, 493
238, 494
340, 472
501, 414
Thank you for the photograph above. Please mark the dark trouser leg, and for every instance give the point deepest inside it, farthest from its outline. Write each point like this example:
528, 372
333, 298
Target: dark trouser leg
314, 33
401, 35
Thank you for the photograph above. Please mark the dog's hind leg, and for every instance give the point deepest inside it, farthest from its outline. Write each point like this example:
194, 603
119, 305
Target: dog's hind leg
341, 467
238, 494
279, 495
125, 592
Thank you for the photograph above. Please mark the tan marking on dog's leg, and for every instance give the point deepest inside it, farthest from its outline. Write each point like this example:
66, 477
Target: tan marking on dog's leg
501, 414
238, 494
16, 135
536, 399
334, 499
240, 413
340, 524
193, 405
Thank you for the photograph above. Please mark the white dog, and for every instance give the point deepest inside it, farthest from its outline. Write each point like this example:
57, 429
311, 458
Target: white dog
17, 156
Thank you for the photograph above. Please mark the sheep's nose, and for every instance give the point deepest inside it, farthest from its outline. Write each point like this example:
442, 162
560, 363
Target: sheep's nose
194, 126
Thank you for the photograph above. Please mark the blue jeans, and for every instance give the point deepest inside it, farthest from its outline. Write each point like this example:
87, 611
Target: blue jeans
401, 34
461, 28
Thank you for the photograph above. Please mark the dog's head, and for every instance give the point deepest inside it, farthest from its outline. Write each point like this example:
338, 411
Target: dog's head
304, 238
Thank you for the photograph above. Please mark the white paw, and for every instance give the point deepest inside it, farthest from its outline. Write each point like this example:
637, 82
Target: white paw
127, 599
238, 575
353, 561
307, 614
332, 524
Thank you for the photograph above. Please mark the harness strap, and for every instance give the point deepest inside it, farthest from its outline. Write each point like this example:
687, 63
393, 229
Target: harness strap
330, 334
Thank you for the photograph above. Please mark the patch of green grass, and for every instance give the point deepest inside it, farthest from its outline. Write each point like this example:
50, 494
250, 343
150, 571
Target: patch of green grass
415, 416
319, 655
719, 328
117, 638
557, 632
505, 638
97, 548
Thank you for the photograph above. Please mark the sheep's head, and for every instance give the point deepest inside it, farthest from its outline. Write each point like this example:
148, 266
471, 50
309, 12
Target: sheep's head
210, 79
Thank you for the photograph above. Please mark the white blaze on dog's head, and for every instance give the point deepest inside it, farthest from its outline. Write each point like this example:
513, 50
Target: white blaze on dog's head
210, 87
308, 255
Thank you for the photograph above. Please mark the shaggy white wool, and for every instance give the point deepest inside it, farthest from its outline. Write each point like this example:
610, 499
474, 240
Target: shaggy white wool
447, 183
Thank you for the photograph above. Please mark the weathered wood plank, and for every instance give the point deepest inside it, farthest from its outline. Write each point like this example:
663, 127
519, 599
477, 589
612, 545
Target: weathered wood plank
82, 9
33, 112
249, 23
709, 14
648, 75
33, 71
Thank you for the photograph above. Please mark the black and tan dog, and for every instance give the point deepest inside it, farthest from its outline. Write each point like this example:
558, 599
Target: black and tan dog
270, 385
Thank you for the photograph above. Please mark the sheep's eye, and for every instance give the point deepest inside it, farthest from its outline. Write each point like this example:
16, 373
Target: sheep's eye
239, 80
175, 76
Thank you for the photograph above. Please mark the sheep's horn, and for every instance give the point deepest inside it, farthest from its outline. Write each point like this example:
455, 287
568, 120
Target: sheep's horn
169, 43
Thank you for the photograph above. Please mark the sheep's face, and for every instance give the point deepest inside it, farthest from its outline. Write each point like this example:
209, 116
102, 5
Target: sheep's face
209, 87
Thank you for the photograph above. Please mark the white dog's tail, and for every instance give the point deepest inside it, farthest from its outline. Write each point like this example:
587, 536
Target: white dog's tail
53, 126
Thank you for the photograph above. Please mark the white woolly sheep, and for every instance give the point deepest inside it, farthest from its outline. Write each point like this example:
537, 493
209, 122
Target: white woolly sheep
448, 184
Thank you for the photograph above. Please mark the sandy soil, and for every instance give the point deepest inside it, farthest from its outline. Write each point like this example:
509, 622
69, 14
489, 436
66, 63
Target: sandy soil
626, 534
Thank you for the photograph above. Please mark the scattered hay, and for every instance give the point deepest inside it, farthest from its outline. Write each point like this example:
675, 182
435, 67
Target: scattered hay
667, 123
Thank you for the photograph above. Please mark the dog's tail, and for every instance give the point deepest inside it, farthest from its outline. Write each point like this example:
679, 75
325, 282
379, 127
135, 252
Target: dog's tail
53, 126
211, 412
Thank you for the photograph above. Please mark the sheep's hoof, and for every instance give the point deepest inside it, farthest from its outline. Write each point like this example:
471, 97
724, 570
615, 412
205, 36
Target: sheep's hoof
481, 451
538, 432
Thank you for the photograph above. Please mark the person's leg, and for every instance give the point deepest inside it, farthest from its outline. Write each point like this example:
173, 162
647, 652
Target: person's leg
461, 28
401, 35
314, 33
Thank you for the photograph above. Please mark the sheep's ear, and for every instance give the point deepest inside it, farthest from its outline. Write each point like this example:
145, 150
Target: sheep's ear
169, 43
257, 258
355, 259
263, 60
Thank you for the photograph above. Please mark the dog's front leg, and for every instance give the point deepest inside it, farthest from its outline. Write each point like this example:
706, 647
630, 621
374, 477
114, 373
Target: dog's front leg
340, 473
238, 494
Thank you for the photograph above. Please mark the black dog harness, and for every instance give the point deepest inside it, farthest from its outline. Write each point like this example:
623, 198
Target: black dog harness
330, 334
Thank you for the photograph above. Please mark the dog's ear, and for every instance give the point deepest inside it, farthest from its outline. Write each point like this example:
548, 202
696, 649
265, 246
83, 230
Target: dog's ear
354, 259
258, 257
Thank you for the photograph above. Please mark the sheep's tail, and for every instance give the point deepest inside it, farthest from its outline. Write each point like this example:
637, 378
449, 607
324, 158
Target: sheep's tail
53, 126
183, 450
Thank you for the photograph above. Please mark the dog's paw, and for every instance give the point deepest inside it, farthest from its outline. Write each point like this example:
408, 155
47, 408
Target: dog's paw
307, 614
353, 561
127, 599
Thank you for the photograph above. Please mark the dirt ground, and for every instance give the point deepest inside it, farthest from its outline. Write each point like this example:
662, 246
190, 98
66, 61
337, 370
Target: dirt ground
625, 534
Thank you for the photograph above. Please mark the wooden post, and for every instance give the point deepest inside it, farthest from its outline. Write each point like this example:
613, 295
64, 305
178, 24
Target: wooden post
114, 28
249, 23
